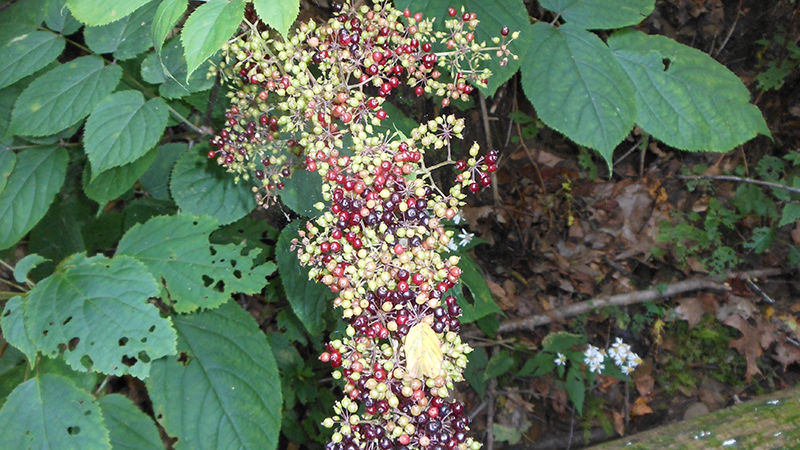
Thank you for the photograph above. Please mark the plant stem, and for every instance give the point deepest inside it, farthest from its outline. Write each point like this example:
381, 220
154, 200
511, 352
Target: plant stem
742, 180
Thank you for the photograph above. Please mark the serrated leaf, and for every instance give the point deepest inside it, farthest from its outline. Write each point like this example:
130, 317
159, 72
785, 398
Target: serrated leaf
790, 214
576, 390
763, 237
28, 53
59, 18
104, 304
101, 12
537, 366
684, 97
472, 278
236, 393
200, 187
168, 68
14, 330
51, 412
8, 160
207, 28
278, 15
308, 298
116, 181
167, 16
25, 265
63, 96
129, 427
499, 364
126, 37
301, 192
122, 128
196, 274
577, 87
36, 178
493, 16
156, 179
601, 14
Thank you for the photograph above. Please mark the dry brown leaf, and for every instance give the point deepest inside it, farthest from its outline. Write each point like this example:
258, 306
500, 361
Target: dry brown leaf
640, 408
754, 339
796, 233
644, 385
786, 354
690, 309
619, 422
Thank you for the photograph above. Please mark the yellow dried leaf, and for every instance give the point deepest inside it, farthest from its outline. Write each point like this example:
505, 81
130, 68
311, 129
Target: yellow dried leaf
423, 351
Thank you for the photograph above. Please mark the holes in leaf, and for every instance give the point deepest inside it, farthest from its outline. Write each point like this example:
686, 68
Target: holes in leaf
183, 359
44, 332
220, 286
151, 329
87, 413
143, 357
666, 62
7, 313
122, 341
73, 343
213, 251
237, 274
72, 431
207, 281
66, 321
128, 361
87, 362
143, 340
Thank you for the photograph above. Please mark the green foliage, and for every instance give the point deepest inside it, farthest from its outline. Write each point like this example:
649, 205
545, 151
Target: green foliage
128, 426
126, 37
28, 53
99, 12
597, 14
278, 15
207, 28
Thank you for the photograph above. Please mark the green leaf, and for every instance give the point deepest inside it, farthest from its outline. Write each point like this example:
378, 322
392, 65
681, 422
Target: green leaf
9, 379
168, 14
235, 399
278, 14
601, 14
8, 159
104, 304
101, 12
208, 27
36, 178
493, 16
790, 214
156, 179
25, 265
683, 96
576, 390
308, 298
14, 329
473, 373
116, 181
195, 274
537, 366
129, 427
301, 192
63, 96
499, 364
19, 17
472, 278
28, 53
58, 18
51, 412
58, 234
126, 37
168, 68
201, 187
561, 341
503, 433
763, 237
578, 88
142, 209
122, 128
103, 232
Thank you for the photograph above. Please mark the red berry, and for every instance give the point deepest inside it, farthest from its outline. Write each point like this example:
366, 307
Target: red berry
504, 31
381, 114
452, 12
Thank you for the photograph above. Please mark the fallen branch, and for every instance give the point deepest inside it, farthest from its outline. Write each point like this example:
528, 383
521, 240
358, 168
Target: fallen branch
630, 298
741, 180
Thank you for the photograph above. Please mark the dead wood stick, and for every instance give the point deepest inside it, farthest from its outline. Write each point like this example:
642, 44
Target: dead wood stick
630, 298
742, 180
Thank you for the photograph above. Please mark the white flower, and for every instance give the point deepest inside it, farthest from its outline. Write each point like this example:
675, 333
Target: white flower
561, 359
594, 357
452, 245
620, 352
465, 237
634, 360
457, 219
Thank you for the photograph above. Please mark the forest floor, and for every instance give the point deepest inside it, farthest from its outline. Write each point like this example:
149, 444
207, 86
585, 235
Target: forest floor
560, 231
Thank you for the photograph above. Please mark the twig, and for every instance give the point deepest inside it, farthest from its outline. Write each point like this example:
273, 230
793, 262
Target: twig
488, 130
630, 298
741, 180
730, 32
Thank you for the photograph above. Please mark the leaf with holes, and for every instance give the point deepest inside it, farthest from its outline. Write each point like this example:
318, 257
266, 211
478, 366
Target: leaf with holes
28, 53
201, 187
63, 96
493, 16
601, 14
129, 427
235, 399
196, 274
96, 311
308, 298
122, 129
101, 12
683, 96
125, 38
14, 329
472, 278
49, 411
577, 88
37, 176
279, 15
209, 26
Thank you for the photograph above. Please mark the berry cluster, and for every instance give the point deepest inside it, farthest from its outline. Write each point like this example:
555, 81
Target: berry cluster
380, 243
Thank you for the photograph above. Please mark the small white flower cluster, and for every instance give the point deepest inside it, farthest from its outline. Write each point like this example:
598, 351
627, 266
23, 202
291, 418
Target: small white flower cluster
561, 359
594, 357
623, 357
